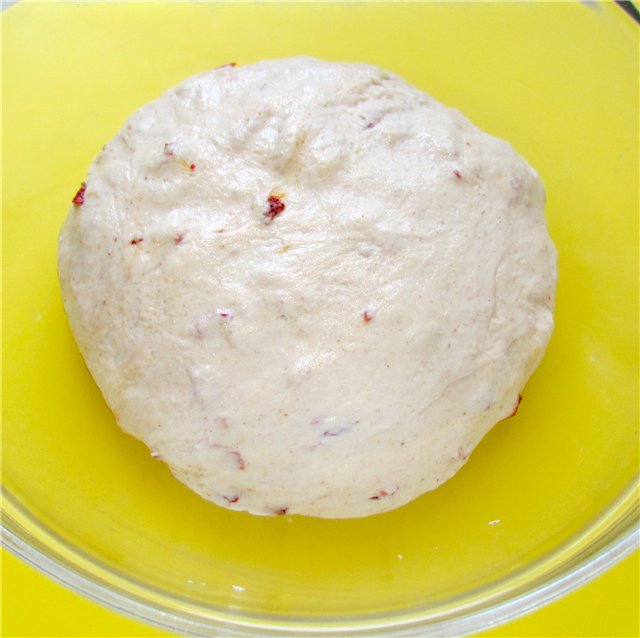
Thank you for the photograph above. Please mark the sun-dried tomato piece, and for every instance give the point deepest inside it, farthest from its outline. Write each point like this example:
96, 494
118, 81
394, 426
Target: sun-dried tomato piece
276, 206
238, 459
78, 200
384, 494
516, 406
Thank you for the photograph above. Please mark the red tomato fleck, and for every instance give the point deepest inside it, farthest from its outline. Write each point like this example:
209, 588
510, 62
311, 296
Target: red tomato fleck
178, 238
383, 493
281, 511
238, 458
368, 315
78, 200
231, 499
192, 167
276, 206
515, 407
457, 174
136, 240
334, 432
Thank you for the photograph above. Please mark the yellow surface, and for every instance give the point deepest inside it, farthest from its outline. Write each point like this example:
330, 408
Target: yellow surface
606, 607
558, 80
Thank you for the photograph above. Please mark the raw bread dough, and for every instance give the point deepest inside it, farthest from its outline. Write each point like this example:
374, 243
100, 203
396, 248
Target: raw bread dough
309, 287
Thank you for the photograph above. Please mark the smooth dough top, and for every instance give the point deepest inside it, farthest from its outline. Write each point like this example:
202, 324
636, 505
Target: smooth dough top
309, 287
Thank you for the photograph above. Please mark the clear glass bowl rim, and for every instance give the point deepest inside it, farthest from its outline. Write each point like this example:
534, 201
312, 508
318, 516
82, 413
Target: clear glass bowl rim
577, 561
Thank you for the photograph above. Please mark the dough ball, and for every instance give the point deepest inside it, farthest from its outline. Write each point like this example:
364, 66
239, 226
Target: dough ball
308, 287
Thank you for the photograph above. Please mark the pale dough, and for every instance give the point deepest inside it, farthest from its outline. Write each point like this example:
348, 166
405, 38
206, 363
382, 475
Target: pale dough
309, 287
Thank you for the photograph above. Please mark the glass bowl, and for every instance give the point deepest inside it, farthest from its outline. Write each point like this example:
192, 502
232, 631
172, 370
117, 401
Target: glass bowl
550, 497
